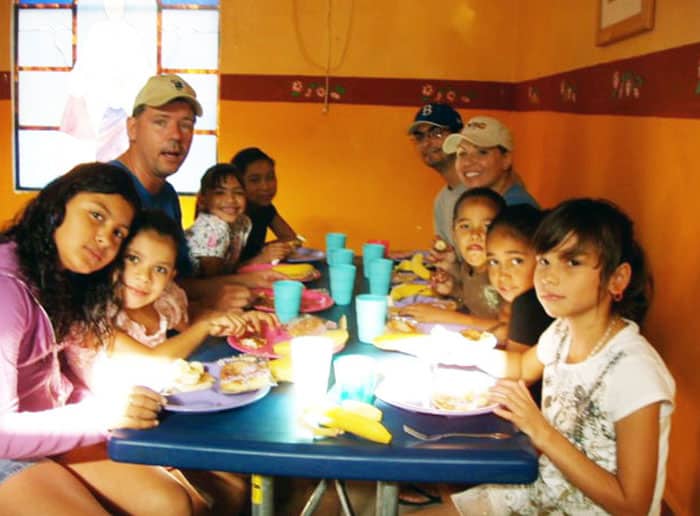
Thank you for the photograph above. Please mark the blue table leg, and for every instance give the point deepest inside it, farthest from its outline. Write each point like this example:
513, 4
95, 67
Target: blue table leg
387, 499
262, 495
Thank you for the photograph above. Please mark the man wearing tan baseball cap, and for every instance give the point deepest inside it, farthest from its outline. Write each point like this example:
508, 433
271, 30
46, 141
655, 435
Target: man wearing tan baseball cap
484, 150
160, 132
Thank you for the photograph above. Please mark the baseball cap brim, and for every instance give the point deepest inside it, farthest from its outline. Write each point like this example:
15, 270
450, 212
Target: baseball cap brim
451, 143
413, 126
158, 102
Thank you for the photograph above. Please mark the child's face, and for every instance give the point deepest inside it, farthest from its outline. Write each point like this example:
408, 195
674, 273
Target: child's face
260, 182
567, 280
480, 166
149, 265
93, 229
473, 219
226, 201
511, 263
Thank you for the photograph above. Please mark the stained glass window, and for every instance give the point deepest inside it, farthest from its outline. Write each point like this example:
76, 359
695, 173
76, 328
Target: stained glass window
80, 64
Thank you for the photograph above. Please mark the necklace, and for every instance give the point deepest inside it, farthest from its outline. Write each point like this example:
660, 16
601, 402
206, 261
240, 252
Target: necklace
599, 345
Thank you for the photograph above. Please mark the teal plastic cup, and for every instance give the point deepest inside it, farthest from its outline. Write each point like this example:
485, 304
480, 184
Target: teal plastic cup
370, 252
287, 299
371, 316
355, 377
334, 241
342, 256
342, 283
380, 276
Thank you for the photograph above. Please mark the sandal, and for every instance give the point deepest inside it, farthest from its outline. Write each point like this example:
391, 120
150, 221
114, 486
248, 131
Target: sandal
417, 496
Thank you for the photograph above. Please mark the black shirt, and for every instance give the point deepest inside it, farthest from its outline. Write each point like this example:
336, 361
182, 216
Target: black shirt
261, 217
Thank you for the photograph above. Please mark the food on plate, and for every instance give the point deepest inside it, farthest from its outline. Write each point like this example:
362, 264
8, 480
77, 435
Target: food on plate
190, 376
399, 276
397, 324
440, 245
445, 304
296, 271
307, 325
472, 334
244, 373
281, 369
264, 299
463, 402
253, 342
410, 289
419, 267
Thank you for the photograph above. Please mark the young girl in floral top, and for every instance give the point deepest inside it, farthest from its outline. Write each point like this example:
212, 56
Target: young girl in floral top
221, 227
607, 396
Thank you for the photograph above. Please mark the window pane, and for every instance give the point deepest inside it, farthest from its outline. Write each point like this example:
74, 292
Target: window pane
38, 2
207, 88
202, 156
44, 155
42, 97
190, 39
44, 37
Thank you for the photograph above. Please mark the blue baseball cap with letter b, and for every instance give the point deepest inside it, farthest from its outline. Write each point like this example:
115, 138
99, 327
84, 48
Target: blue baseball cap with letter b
439, 115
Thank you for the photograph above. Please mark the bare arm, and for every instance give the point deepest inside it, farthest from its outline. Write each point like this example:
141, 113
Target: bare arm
631, 490
211, 266
281, 229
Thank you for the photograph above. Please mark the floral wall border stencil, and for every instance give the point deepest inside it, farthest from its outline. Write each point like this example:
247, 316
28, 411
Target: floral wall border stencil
315, 89
446, 94
626, 84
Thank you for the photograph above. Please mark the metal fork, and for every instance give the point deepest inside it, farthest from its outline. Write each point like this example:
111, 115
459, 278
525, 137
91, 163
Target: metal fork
436, 437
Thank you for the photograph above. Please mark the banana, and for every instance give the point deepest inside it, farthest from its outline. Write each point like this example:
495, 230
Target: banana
281, 369
362, 409
410, 289
418, 267
404, 265
295, 270
343, 419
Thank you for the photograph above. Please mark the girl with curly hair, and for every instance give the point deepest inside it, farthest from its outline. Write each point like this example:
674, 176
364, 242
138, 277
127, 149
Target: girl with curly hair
55, 284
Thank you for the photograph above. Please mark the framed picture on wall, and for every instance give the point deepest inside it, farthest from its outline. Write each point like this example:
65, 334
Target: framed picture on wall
619, 19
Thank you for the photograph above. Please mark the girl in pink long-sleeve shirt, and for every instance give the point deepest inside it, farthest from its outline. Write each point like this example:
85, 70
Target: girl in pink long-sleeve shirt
53, 279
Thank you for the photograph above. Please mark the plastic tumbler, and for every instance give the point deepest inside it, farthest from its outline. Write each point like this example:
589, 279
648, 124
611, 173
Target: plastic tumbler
341, 256
370, 252
380, 276
371, 316
355, 377
287, 295
311, 367
342, 283
334, 241
385, 243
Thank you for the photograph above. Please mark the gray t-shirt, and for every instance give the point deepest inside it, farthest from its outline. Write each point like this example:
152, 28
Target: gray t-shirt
442, 211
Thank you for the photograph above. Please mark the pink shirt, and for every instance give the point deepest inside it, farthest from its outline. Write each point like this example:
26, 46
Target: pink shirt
39, 412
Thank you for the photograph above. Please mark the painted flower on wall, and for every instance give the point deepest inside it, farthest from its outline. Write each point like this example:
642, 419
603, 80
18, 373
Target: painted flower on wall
533, 94
317, 90
447, 94
626, 84
567, 91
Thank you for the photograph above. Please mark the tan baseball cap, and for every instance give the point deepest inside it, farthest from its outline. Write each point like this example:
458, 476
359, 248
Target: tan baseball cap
161, 89
482, 131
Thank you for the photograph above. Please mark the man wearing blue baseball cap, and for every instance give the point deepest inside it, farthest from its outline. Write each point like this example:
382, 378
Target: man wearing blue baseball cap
431, 125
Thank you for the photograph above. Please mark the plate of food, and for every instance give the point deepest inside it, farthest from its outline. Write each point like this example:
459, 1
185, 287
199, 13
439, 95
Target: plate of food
311, 300
305, 254
439, 391
275, 342
216, 386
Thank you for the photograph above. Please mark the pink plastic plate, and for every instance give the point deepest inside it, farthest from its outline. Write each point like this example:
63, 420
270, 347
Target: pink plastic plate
311, 300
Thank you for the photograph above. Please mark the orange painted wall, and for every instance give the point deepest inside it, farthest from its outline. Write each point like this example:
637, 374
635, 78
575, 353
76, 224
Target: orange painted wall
353, 168
648, 166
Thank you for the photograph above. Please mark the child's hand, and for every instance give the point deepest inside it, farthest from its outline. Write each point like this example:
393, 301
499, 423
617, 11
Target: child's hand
275, 252
424, 312
222, 324
259, 279
229, 296
517, 406
139, 409
441, 253
442, 282
255, 319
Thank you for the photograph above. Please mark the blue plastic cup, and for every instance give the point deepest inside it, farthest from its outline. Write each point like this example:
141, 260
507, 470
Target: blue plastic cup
342, 283
341, 256
380, 276
287, 299
355, 377
371, 316
370, 252
334, 241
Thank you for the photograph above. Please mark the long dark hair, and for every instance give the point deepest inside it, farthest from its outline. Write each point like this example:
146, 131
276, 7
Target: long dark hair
68, 298
245, 157
519, 221
601, 224
213, 178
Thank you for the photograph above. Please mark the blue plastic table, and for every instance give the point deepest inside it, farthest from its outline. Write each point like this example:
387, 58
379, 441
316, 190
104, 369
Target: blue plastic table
265, 439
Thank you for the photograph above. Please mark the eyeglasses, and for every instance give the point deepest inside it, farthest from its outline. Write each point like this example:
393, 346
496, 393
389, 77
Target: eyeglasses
434, 133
